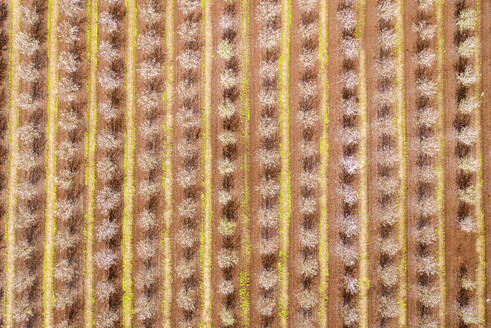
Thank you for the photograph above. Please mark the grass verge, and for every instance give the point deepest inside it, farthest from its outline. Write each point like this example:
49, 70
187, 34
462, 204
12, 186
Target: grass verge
51, 129
439, 167
400, 120
90, 171
245, 117
167, 170
129, 188
206, 164
285, 187
324, 159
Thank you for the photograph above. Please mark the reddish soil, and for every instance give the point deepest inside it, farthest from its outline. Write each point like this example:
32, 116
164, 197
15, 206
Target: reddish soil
35, 177
295, 254
486, 141
411, 108
335, 208
255, 172
114, 274
76, 194
460, 245
178, 191
156, 203
237, 154
4, 145
372, 51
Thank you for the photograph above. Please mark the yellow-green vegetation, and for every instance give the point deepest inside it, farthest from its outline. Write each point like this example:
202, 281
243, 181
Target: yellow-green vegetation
439, 166
400, 123
285, 178
129, 161
324, 159
244, 276
90, 166
91, 106
206, 158
51, 158
167, 162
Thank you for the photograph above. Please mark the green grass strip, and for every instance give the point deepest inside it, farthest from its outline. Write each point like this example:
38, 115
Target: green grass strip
51, 129
324, 160
129, 188
206, 158
244, 276
439, 166
285, 186
167, 165
90, 166
13, 162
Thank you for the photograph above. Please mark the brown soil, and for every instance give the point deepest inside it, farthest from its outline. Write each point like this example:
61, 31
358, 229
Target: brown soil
255, 172
34, 236
296, 167
4, 144
218, 150
372, 50
114, 274
411, 98
178, 192
460, 247
156, 203
486, 141
77, 193
336, 266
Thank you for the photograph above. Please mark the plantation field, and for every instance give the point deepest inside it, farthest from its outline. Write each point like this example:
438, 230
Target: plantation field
252, 163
